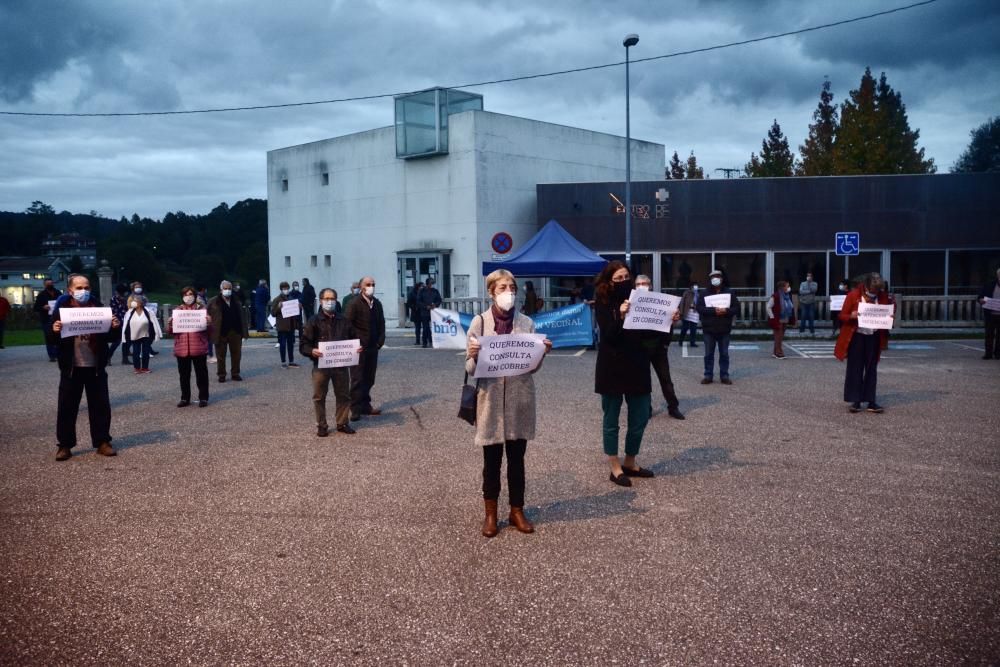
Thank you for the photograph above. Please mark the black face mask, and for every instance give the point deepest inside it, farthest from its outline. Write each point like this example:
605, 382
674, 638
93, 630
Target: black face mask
622, 290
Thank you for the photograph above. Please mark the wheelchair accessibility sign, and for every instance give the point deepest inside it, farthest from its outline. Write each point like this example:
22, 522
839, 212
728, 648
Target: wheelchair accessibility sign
848, 243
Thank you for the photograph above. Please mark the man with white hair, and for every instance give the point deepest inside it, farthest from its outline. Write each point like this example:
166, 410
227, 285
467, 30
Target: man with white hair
366, 316
229, 331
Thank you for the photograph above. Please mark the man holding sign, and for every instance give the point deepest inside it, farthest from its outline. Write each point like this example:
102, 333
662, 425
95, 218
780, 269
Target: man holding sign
286, 313
323, 340
717, 307
83, 357
657, 334
866, 317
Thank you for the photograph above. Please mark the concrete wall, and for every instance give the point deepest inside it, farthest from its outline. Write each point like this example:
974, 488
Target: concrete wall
376, 204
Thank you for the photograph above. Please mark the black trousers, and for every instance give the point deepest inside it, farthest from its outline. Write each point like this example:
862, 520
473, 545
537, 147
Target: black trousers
862, 368
425, 325
661, 364
993, 336
362, 381
492, 458
200, 364
72, 384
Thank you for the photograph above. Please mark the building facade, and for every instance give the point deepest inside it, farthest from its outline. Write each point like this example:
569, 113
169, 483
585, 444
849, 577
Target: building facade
22, 278
350, 206
927, 234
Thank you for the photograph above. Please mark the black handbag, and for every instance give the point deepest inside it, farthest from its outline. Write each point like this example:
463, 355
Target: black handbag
467, 410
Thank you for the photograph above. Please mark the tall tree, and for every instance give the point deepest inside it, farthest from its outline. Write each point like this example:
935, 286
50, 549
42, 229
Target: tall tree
983, 153
875, 136
817, 151
776, 157
692, 170
40, 208
675, 169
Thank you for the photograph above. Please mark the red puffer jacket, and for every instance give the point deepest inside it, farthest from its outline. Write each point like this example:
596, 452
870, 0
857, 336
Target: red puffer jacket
190, 344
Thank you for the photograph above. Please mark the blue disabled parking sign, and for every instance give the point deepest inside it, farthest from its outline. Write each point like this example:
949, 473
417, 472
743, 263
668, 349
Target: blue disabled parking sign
848, 243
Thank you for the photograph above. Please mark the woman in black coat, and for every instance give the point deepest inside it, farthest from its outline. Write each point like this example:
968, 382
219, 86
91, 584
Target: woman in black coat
622, 373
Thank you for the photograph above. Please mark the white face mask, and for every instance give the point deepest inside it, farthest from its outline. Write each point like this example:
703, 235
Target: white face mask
505, 300
81, 295
328, 305
284, 292
188, 299
642, 288
227, 292
370, 291
295, 286
138, 290
716, 281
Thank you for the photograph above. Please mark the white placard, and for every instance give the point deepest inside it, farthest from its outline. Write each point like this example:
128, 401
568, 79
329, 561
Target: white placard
991, 304
80, 321
272, 321
509, 354
875, 315
290, 308
651, 310
837, 301
189, 321
692, 316
51, 307
718, 300
339, 353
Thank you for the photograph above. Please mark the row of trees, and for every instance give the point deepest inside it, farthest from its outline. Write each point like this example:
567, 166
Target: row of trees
179, 250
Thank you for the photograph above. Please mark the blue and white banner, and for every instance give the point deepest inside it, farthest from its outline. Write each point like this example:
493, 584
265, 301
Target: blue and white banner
570, 326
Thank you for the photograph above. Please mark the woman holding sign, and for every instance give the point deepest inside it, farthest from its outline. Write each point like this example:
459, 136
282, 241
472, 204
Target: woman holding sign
862, 346
139, 331
622, 373
505, 406
191, 346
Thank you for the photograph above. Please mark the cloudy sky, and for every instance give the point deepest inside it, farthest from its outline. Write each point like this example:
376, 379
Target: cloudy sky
98, 56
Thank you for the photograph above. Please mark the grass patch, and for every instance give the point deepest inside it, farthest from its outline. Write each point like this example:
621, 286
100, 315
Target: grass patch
26, 337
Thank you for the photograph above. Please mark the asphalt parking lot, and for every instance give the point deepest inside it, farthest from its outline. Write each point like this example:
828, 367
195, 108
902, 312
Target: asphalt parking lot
779, 529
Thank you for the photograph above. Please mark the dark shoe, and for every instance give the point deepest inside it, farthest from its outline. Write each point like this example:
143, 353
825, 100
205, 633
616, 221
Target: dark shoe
64, 454
638, 472
519, 521
237, 378
374, 412
706, 381
490, 522
322, 431
355, 416
693, 345
153, 353
987, 356
105, 449
675, 413
292, 364
222, 378
183, 403
426, 345
417, 343
855, 407
726, 381
346, 429
621, 480
202, 404
876, 408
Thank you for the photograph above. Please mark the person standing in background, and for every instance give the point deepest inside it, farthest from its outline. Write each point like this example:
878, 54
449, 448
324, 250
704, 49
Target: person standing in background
780, 315
261, 297
4, 312
49, 294
842, 289
119, 307
689, 308
717, 327
427, 300
308, 298
285, 327
229, 330
807, 305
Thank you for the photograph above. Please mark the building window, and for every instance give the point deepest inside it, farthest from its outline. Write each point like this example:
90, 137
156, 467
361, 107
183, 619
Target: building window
312, 261
39, 276
26, 276
679, 271
744, 272
793, 267
284, 185
969, 270
326, 261
326, 178
917, 272
288, 261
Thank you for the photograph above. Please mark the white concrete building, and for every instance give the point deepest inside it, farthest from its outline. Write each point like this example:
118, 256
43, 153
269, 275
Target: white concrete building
346, 207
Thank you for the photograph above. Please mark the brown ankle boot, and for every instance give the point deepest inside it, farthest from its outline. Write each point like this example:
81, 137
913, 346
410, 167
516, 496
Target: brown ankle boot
490, 522
519, 521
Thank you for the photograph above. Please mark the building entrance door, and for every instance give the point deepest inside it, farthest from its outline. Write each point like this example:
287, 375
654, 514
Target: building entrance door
417, 266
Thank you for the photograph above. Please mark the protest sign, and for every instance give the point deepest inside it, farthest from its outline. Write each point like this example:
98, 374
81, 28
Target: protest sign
509, 355
570, 326
338, 353
290, 308
189, 321
51, 305
837, 302
991, 304
718, 300
875, 315
81, 321
272, 321
447, 331
692, 316
651, 310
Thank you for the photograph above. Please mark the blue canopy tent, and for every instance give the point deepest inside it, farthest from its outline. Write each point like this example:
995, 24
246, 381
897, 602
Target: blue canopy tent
550, 252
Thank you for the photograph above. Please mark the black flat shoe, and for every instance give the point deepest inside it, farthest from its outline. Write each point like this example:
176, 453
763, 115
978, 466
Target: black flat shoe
202, 404
355, 416
876, 408
183, 404
638, 472
346, 428
706, 381
621, 480
855, 407
675, 413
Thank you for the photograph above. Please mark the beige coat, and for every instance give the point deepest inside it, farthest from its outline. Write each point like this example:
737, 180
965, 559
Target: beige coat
505, 407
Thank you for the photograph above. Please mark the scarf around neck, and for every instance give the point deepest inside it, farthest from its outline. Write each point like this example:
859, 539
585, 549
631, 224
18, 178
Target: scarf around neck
503, 321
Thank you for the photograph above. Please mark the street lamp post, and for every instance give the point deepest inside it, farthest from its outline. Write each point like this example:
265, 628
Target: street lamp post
630, 40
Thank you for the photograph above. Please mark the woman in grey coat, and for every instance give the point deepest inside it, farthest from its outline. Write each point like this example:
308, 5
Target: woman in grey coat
505, 407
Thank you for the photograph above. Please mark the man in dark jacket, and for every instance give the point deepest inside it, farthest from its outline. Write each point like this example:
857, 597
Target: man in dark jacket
427, 300
717, 325
656, 344
229, 330
326, 327
261, 297
365, 314
42, 308
308, 298
991, 318
82, 367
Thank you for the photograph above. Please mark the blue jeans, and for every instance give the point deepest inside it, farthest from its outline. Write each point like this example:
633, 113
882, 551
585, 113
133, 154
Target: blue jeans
261, 314
140, 353
49, 337
711, 340
685, 328
807, 311
286, 342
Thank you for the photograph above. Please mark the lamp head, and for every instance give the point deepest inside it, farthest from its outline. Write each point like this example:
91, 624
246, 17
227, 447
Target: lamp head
630, 40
